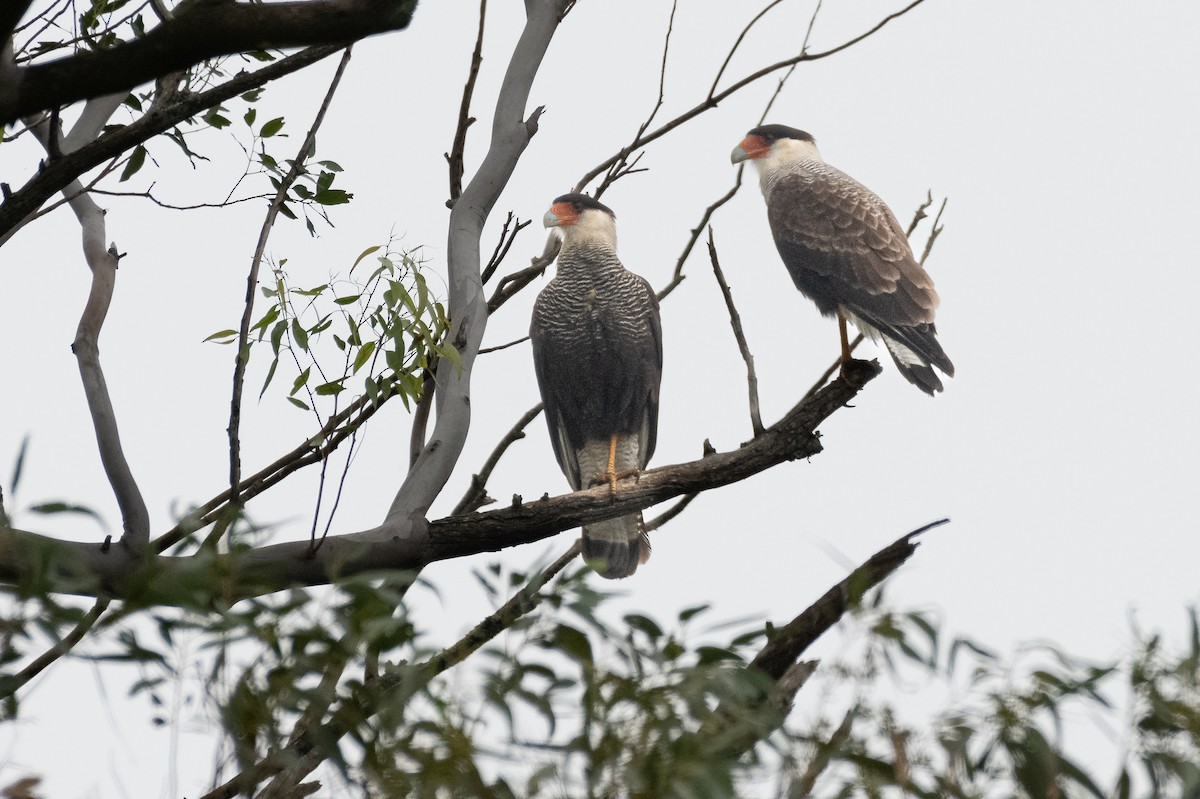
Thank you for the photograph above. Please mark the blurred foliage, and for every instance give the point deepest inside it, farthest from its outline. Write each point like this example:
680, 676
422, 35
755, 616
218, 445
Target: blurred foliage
65, 27
571, 702
386, 325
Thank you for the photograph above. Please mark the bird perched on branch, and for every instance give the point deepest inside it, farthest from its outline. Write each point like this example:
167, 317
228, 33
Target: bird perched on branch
847, 252
597, 351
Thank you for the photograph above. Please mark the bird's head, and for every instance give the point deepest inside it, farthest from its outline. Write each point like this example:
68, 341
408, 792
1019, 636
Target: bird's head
770, 146
578, 217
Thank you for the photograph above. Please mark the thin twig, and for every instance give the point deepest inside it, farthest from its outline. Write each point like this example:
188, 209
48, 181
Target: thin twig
509, 285
420, 422
919, 214
669, 514
622, 167
713, 101
508, 234
498, 347
934, 232
476, 496
301, 755
10, 685
735, 321
242, 358
455, 156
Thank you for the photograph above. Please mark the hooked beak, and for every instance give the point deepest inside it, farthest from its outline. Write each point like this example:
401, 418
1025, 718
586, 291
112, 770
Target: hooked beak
750, 148
560, 215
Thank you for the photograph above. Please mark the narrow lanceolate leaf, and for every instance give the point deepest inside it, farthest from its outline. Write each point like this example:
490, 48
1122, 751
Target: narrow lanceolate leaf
300, 380
18, 465
136, 159
364, 254
223, 336
299, 334
52, 508
364, 355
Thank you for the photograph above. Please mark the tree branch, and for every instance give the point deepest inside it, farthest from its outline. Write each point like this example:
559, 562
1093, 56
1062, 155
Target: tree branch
713, 100
242, 357
135, 518
511, 133
735, 321
197, 31
465, 120
733, 729
198, 579
58, 173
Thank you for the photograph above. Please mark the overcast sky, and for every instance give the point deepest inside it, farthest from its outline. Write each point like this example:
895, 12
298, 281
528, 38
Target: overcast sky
1064, 135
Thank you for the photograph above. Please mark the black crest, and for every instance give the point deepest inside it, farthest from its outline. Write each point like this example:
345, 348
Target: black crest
773, 133
582, 201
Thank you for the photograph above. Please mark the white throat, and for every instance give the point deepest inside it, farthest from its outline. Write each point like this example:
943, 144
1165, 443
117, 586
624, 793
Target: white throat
784, 153
594, 228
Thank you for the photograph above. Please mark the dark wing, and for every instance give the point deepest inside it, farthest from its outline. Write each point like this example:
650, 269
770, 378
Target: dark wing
599, 373
844, 247
648, 371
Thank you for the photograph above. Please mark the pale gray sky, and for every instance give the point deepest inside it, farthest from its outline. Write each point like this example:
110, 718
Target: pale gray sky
1065, 136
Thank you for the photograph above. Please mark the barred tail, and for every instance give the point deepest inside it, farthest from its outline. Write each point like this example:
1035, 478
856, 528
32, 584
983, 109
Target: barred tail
616, 547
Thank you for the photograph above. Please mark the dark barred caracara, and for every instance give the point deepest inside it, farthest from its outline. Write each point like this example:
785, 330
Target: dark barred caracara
597, 351
847, 252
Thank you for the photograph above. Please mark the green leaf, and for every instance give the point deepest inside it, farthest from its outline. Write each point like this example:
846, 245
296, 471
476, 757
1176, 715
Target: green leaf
645, 625
229, 335
250, 116
54, 508
348, 300
330, 388
364, 254
364, 355
300, 380
299, 334
18, 465
136, 159
270, 128
299, 403
333, 197
214, 118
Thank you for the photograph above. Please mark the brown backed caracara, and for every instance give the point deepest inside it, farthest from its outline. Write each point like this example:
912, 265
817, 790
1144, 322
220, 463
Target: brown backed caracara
597, 351
846, 251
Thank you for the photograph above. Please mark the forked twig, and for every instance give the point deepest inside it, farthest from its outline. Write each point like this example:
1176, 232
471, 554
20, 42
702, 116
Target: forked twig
735, 321
242, 357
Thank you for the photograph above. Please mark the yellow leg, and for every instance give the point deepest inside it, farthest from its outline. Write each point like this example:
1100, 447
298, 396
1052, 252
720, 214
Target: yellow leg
845, 339
612, 464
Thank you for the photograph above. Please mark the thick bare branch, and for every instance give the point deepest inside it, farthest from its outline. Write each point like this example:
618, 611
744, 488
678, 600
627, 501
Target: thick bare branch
58, 173
87, 569
511, 133
734, 728
196, 31
135, 518
789, 641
